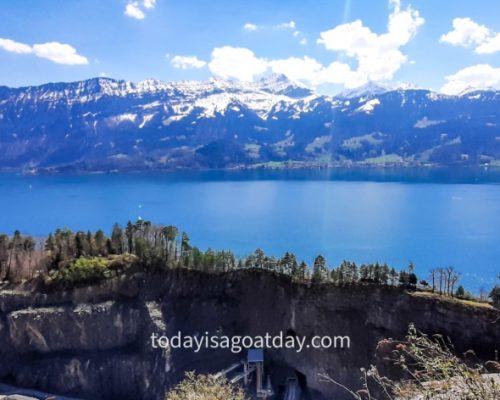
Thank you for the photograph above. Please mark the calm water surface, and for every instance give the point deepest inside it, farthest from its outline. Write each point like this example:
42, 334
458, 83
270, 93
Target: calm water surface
434, 218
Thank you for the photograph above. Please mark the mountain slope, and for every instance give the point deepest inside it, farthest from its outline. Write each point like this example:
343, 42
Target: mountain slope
106, 124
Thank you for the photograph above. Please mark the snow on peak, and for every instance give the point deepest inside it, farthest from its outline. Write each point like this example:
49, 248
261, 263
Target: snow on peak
152, 85
368, 89
180, 97
281, 84
278, 82
368, 106
376, 88
474, 90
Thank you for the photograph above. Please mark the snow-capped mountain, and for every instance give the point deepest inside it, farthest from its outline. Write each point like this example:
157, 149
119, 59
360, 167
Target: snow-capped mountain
376, 88
107, 124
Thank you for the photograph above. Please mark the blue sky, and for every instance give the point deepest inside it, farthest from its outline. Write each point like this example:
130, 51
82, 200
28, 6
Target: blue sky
327, 44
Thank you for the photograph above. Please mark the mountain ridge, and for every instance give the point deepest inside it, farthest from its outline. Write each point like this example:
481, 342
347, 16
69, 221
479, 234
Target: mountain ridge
103, 124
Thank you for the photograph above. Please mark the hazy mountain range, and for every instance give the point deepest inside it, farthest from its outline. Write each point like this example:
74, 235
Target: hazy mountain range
105, 124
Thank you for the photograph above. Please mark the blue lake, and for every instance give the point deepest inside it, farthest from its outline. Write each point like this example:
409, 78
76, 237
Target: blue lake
434, 218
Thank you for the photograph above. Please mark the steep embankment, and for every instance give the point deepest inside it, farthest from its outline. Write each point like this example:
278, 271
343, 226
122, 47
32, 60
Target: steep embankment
94, 342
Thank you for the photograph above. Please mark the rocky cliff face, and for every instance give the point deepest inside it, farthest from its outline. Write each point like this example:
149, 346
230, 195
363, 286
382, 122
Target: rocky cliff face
95, 342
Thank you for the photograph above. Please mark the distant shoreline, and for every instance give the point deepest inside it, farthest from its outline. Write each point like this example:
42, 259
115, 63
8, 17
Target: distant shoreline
268, 166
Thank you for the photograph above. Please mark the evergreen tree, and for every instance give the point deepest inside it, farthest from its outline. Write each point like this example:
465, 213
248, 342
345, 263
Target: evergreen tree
460, 293
249, 261
271, 263
303, 271
100, 243
393, 277
364, 273
294, 267
90, 244
129, 233
404, 278
377, 273
384, 274
170, 234
320, 271
412, 280
80, 244
285, 264
259, 259
334, 275
117, 239
185, 248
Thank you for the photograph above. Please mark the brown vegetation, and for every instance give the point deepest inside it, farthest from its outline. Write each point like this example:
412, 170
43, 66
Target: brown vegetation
430, 371
204, 387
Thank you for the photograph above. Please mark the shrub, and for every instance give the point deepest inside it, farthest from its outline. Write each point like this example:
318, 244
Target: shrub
431, 371
80, 270
86, 270
122, 261
204, 387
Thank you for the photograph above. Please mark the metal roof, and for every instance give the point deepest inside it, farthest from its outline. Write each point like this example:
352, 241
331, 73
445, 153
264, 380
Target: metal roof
255, 355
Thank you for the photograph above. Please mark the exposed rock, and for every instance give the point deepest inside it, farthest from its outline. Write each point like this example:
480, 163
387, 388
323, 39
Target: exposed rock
470, 358
95, 342
81, 328
492, 367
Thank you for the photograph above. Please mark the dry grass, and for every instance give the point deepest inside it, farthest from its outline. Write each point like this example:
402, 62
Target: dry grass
205, 387
465, 302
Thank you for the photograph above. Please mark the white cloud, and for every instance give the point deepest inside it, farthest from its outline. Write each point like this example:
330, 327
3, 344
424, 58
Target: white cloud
465, 33
490, 45
286, 25
479, 76
379, 57
468, 33
59, 53
341, 74
250, 27
292, 26
309, 71
187, 62
14, 47
236, 63
299, 69
133, 10
300, 37
136, 9
149, 4
396, 4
